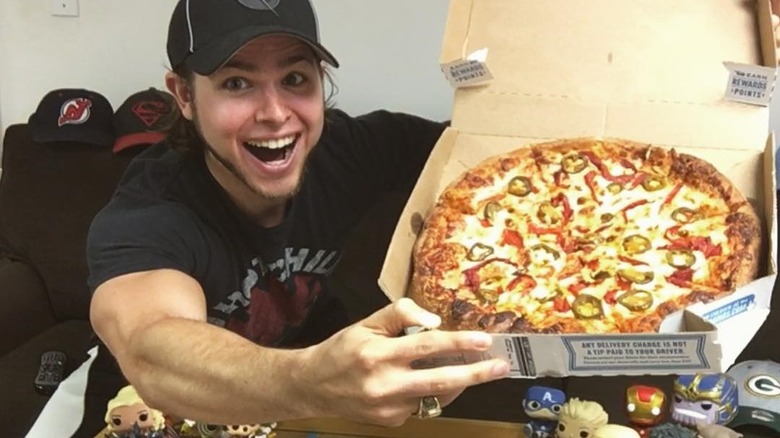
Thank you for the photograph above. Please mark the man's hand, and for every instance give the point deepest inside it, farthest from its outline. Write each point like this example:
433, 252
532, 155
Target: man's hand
363, 373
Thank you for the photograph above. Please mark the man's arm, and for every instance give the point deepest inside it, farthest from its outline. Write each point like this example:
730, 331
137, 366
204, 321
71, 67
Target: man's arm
154, 324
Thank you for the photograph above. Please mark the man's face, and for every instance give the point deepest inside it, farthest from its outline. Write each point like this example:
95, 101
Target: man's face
260, 115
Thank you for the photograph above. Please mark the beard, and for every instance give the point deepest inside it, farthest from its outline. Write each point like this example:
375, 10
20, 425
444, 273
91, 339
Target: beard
238, 173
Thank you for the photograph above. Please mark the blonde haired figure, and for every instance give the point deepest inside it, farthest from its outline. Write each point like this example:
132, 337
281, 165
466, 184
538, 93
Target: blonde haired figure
615, 431
127, 416
580, 419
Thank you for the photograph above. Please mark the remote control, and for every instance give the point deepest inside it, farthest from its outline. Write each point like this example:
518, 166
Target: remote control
51, 372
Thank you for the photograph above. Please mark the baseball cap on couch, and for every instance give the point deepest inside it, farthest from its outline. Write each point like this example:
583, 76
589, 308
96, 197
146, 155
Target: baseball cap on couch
142, 118
206, 33
73, 114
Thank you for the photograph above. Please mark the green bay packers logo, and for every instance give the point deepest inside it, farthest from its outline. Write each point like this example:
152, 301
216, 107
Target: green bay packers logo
763, 386
260, 5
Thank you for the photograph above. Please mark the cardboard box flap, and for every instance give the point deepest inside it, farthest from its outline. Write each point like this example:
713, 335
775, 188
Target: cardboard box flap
573, 70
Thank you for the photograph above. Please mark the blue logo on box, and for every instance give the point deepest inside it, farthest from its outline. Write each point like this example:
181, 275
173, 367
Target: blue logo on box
730, 310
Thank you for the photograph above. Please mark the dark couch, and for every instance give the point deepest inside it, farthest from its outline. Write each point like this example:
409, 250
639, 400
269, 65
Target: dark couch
48, 196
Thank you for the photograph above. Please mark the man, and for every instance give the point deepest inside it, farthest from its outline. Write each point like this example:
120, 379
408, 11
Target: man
208, 265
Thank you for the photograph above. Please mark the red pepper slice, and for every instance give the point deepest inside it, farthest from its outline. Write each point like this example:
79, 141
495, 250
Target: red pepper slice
577, 287
512, 237
561, 305
621, 179
631, 261
471, 274
634, 204
627, 164
533, 228
561, 199
670, 196
622, 283
696, 243
681, 277
590, 181
526, 281
638, 179
609, 297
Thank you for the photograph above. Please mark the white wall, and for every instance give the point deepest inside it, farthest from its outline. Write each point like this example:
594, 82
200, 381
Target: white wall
388, 52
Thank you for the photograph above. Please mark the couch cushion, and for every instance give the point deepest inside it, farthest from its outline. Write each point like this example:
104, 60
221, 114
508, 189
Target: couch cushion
49, 194
26, 311
19, 403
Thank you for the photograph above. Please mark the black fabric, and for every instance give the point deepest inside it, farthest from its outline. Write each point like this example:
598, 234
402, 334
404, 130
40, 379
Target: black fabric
205, 33
169, 212
73, 115
49, 194
19, 403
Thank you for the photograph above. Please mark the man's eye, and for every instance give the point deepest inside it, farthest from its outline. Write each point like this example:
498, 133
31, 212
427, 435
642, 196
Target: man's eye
234, 84
293, 79
116, 421
143, 417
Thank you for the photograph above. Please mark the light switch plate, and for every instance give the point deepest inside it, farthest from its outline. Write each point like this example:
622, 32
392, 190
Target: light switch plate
64, 8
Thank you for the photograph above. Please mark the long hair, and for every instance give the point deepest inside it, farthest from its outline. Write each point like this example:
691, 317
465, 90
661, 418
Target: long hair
128, 396
585, 410
182, 134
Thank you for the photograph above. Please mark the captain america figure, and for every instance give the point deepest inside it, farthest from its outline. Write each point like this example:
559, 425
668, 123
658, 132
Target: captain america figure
542, 405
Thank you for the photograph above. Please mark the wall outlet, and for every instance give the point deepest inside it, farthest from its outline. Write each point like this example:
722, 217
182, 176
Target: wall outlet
64, 8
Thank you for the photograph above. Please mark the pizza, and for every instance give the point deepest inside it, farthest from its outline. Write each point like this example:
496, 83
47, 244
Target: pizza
583, 236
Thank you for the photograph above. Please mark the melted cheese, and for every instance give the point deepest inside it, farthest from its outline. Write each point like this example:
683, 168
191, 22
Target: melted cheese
565, 267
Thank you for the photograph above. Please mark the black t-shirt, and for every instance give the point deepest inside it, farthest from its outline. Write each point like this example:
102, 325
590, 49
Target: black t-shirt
266, 284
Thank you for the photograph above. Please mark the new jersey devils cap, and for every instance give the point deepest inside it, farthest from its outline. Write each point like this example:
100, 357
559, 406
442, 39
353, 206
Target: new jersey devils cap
141, 119
759, 393
73, 114
206, 33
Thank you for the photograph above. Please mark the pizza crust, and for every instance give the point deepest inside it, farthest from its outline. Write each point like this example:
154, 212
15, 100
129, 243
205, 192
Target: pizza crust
435, 254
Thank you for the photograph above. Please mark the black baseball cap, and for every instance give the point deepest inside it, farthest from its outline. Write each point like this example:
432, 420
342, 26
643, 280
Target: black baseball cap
73, 114
204, 34
141, 119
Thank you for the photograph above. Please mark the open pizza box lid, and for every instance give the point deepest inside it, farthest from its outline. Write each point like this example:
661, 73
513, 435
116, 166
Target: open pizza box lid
696, 76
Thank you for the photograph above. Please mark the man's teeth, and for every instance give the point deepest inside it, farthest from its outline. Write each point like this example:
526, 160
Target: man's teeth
276, 143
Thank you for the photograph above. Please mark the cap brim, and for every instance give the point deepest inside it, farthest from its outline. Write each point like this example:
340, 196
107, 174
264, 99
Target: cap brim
137, 139
98, 138
748, 416
209, 58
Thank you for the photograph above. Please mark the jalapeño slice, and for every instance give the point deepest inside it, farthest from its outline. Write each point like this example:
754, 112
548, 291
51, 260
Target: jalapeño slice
587, 306
636, 300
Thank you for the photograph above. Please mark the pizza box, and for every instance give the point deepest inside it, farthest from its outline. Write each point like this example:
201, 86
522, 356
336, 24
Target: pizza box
696, 76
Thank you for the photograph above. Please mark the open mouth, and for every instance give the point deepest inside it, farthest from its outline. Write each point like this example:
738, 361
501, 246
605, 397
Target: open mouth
690, 413
274, 151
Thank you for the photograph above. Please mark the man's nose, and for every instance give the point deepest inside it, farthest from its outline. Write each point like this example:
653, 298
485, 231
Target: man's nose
272, 108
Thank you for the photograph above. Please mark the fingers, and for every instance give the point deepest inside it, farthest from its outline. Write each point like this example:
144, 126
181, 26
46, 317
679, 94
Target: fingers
392, 319
435, 343
450, 380
446, 399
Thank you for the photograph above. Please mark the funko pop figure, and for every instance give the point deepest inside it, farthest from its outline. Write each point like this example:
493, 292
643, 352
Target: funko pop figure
704, 398
127, 416
243, 430
542, 405
264, 430
645, 406
615, 431
671, 430
580, 419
